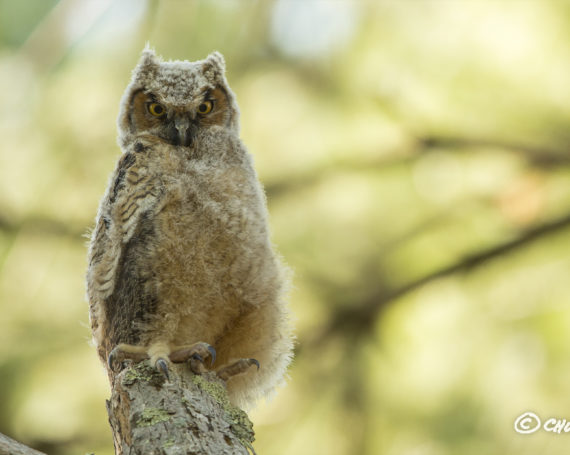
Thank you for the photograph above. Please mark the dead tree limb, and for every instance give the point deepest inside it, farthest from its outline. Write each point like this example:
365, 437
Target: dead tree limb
187, 414
10, 447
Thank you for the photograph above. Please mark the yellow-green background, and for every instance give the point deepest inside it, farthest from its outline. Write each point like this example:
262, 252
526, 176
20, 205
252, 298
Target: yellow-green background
416, 159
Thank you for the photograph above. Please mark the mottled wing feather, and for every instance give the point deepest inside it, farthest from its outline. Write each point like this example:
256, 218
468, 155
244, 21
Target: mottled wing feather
120, 286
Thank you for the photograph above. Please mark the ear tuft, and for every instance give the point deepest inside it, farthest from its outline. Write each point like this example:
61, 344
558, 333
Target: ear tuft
215, 61
148, 57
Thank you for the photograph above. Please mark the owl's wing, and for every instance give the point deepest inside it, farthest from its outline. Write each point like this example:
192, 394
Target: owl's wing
116, 276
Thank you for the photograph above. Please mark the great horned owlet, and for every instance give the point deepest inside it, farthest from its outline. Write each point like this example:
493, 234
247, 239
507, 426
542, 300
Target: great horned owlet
181, 266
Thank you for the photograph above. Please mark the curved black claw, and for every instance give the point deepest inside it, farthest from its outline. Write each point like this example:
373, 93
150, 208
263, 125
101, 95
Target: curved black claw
112, 359
212, 355
162, 366
254, 362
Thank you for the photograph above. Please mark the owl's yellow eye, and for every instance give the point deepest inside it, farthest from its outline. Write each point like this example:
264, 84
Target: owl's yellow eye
156, 109
205, 107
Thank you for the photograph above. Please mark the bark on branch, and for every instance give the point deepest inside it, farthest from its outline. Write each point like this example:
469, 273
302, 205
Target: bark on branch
188, 414
10, 447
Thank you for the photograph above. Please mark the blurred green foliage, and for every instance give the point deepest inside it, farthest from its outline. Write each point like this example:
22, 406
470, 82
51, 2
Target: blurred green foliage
415, 156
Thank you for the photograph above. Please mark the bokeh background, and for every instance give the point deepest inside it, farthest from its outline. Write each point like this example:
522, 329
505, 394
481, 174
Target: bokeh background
415, 155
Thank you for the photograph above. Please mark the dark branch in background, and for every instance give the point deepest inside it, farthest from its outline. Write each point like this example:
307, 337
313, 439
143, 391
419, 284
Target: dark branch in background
543, 157
539, 156
360, 319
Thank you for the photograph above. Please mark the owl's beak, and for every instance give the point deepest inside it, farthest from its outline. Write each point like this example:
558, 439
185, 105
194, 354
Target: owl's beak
185, 130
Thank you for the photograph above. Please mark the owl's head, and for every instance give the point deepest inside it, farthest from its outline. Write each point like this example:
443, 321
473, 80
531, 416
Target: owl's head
173, 100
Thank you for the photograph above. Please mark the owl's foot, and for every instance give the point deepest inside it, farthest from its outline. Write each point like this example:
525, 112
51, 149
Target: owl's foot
195, 354
135, 354
161, 355
123, 352
238, 367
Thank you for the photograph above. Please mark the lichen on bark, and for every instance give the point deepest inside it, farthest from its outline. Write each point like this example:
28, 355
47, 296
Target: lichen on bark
186, 414
239, 422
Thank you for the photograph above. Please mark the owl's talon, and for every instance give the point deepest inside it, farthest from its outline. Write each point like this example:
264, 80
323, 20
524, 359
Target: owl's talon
186, 353
112, 359
116, 359
238, 367
123, 352
254, 362
212, 355
162, 366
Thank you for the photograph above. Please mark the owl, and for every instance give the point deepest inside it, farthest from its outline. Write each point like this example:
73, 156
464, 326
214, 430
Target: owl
181, 267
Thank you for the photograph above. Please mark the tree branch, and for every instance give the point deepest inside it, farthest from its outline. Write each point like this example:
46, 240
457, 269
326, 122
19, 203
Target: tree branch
539, 156
188, 414
10, 447
359, 319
